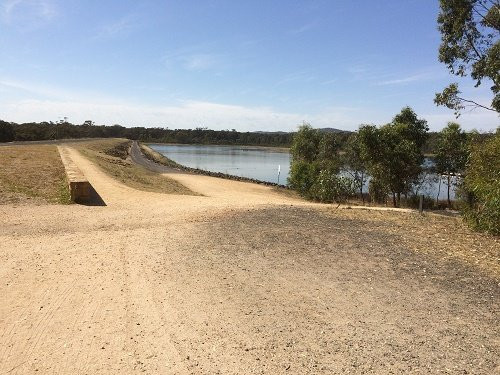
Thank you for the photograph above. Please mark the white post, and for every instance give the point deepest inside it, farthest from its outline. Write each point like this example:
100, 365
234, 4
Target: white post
279, 170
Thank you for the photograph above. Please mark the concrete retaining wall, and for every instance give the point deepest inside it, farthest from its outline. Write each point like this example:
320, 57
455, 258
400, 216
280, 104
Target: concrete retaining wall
79, 186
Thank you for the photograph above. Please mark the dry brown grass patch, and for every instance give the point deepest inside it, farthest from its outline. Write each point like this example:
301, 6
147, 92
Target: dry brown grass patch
441, 236
32, 173
158, 158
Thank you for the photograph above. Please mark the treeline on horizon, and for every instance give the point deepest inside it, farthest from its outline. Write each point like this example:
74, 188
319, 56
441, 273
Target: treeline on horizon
42, 131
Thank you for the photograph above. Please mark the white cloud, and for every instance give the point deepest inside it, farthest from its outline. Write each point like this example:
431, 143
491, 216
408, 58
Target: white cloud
46, 91
304, 76
23, 102
8, 7
196, 58
188, 114
329, 81
357, 69
303, 28
412, 78
113, 29
199, 62
27, 13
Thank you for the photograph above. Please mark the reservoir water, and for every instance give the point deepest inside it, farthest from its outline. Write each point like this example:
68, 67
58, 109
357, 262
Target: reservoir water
256, 162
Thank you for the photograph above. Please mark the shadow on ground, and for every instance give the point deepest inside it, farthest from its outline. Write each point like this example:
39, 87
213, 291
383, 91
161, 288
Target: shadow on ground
94, 200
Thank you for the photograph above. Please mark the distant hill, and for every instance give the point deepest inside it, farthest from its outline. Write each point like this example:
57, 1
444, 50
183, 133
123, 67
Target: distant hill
333, 130
276, 132
324, 130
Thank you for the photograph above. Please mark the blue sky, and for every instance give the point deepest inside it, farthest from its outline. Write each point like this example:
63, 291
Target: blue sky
223, 64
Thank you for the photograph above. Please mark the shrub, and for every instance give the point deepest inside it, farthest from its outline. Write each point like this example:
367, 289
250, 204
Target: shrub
482, 186
330, 187
302, 176
378, 191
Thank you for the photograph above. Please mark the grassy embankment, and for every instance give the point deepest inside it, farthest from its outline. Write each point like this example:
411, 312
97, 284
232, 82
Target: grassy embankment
111, 156
32, 173
159, 158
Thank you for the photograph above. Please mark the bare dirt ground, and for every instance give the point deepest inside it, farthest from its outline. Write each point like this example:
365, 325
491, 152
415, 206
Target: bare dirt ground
241, 280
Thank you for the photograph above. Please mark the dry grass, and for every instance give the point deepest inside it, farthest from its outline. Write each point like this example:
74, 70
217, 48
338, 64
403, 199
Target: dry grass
112, 157
32, 173
158, 158
440, 236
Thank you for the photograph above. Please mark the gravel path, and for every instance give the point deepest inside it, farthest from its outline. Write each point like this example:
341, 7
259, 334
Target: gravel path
138, 157
242, 280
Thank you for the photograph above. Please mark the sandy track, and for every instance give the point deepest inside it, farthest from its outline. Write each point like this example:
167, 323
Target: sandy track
241, 280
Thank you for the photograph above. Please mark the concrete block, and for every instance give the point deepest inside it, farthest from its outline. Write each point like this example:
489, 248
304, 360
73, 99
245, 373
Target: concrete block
79, 187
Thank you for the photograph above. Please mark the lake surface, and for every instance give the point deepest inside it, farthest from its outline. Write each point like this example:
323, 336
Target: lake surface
258, 163
255, 162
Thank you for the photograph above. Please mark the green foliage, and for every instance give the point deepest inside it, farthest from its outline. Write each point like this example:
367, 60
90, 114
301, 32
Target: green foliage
305, 144
393, 152
451, 153
6, 132
330, 187
354, 163
315, 164
378, 191
470, 45
482, 186
302, 176
328, 146
414, 128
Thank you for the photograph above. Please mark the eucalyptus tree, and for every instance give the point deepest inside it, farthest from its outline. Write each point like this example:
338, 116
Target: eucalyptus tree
315, 165
451, 155
470, 44
393, 152
303, 162
355, 164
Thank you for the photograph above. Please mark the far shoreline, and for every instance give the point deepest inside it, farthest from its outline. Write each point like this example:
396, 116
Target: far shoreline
273, 148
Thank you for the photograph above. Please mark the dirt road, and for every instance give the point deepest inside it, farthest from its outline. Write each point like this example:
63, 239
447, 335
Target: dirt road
242, 280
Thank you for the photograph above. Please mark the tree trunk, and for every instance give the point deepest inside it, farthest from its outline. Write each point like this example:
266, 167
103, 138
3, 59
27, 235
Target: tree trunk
399, 199
449, 201
439, 191
361, 189
394, 199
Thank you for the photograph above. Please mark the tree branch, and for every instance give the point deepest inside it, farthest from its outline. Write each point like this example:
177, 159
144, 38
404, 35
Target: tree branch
473, 46
476, 104
479, 14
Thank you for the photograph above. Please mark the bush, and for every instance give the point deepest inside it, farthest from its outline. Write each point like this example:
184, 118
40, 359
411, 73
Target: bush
482, 186
315, 166
330, 187
378, 191
302, 176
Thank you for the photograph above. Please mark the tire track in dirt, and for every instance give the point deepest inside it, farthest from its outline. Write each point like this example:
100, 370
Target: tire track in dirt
36, 331
154, 351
